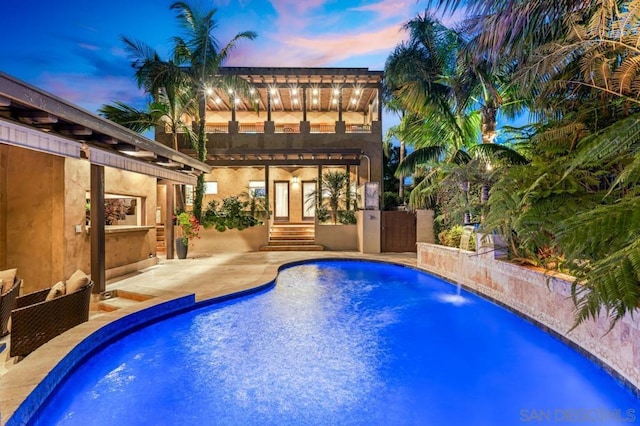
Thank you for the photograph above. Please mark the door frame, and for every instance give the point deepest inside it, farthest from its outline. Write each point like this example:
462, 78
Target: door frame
275, 201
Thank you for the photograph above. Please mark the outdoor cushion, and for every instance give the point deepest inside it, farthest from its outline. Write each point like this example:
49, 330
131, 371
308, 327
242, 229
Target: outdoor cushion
8, 275
76, 281
56, 291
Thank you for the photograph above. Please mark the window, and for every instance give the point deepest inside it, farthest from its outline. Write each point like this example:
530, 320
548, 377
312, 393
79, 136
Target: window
211, 188
188, 194
257, 187
119, 209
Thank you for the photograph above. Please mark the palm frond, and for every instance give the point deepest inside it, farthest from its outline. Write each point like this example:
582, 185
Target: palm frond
128, 116
419, 157
493, 153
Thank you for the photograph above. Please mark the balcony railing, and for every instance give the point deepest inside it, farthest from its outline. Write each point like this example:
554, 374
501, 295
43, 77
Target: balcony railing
251, 127
288, 128
358, 128
259, 127
323, 128
217, 128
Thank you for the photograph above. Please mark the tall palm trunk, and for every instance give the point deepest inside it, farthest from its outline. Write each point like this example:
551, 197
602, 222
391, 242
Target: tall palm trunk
401, 177
489, 125
201, 154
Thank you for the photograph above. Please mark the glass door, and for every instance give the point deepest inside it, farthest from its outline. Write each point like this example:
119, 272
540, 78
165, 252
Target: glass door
309, 200
281, 201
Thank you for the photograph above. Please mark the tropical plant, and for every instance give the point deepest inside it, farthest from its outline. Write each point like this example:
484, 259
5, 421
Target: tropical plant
201, 53
574, 203
335, 193
178, 86
444, 121
256, 202
451, 237
189, 226
169, 91
232, 213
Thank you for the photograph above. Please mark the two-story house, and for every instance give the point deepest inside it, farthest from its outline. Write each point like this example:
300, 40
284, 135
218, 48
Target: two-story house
291, 126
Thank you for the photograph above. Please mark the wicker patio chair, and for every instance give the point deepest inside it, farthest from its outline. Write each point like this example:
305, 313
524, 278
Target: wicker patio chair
35, 321
7, 304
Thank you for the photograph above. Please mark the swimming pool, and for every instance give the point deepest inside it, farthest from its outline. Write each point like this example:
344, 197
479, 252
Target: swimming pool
341, 342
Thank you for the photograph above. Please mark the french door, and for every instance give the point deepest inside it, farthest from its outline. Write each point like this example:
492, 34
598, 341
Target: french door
309, 200
281, 191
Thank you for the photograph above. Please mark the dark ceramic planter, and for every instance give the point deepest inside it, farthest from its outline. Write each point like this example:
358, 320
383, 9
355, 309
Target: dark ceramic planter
181, 249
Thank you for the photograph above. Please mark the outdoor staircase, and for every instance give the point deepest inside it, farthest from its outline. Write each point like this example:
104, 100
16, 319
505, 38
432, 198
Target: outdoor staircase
292, 237
161, 246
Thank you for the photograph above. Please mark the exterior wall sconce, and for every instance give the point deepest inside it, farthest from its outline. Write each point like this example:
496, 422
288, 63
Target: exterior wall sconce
295, 180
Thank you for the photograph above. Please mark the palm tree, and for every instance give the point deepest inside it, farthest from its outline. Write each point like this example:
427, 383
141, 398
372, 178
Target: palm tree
200, 52
333, 193
578, 196
170, 98
168, 88
443, 124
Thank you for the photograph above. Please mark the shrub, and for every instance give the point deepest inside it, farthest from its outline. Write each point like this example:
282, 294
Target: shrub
231, 214
451, 237
347, 217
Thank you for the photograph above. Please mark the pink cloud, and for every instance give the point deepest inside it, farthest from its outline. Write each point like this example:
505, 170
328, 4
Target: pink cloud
386, 9
287, 49
296, 14
296, 6
89, 46
91, 92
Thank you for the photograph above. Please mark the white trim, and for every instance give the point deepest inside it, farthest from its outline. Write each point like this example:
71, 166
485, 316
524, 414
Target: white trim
105, 158
26, 137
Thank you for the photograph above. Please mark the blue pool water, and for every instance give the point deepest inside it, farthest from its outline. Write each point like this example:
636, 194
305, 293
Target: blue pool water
342, 343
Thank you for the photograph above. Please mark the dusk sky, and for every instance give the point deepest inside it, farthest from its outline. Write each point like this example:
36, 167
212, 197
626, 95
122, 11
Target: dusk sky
72, 48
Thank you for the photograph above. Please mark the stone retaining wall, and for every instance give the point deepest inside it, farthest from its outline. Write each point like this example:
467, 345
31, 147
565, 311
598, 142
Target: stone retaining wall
542, 297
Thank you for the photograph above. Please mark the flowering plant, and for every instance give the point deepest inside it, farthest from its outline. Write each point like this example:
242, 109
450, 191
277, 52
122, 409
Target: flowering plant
190, 226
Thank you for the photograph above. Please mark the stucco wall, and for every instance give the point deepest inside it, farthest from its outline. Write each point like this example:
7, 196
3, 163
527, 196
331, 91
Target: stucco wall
545, 298
3, 205
369, 143
424, 226
369, 231
125, 248
337, 237
42, 199
231, 240
233, 181
34, 216
77, 246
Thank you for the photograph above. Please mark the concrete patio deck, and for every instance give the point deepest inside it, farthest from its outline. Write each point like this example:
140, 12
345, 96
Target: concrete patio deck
206, 277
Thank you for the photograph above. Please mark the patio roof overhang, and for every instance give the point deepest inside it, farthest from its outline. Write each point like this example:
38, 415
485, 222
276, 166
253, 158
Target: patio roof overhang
284, 157
34, 119
358, 89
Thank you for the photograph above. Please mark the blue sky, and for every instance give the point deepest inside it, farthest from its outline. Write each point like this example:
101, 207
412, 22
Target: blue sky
72, 48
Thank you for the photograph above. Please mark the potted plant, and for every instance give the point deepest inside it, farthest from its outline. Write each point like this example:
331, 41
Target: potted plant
189, 227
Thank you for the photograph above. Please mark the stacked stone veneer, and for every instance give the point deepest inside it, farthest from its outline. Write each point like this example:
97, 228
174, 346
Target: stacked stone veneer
542, 297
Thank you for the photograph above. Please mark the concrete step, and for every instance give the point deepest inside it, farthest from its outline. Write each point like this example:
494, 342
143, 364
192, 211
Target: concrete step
115, 303
117, 299
291, 242
292, 237
310, 247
